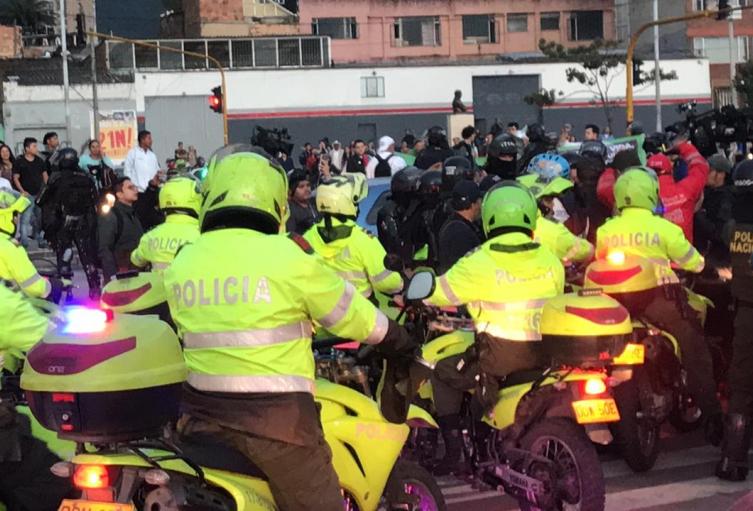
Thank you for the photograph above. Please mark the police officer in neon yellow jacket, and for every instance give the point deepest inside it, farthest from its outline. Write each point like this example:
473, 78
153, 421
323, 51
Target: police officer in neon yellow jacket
351, 252
244, 298
639, 231
25, 479
16, 269
563, 243
504, 284
180, 201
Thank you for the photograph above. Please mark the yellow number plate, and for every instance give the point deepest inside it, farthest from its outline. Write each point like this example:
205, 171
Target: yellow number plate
634, 354
592, 411
88, 505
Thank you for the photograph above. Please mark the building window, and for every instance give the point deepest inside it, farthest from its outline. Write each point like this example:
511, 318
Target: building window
517, 22
702, 5
372, 86
586, 25
716, 49
417, 31
479, 29
336, 28
550, 21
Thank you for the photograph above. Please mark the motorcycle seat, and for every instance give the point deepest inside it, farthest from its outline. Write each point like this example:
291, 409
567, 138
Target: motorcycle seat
210, 452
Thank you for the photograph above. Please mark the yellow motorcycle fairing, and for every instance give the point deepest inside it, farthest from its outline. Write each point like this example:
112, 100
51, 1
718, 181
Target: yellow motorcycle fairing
454, 343
503, 414
351, 422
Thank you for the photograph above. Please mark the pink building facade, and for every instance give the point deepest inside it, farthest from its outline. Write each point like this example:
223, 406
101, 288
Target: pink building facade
392, 30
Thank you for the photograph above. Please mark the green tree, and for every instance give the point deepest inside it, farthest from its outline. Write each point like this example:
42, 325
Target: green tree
744, 82
30, 15
595, 66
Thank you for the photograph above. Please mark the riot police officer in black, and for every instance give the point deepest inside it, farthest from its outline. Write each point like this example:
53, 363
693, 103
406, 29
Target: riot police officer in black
737, 427
68, 205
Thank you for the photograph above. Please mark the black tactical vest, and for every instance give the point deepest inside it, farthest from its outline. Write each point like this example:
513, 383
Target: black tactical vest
741, 249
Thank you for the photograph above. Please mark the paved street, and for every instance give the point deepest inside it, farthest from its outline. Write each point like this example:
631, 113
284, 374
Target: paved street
681, 480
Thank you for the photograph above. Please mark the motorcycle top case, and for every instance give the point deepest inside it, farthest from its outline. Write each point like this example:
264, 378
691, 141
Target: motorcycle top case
584, 327
131, 293
119, 383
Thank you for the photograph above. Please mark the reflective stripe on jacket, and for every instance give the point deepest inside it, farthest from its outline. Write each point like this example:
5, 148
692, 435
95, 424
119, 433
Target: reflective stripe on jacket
358, 258
504, 284
564, 244
244, 303
159, 245
639, 232
17, 268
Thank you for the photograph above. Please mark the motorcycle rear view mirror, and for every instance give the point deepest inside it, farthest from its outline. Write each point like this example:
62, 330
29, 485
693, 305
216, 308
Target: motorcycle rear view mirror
421, 286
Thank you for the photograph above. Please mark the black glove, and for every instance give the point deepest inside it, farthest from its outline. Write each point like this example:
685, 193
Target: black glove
398, 341
56, 294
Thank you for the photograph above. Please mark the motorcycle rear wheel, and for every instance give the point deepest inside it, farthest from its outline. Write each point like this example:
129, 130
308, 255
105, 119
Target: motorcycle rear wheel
581, 485
637, 438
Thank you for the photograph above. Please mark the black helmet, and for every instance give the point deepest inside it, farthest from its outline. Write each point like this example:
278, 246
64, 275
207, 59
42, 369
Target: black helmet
742, 176
430, 183
457, 168
594, 149
655, 143
536, 132
503, 145
437, 137
68, 159
406, 181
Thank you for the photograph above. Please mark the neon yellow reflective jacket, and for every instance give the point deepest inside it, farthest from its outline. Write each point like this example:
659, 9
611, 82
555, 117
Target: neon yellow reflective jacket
244, 303
159, 245
639, 232
357, 256
504, 284
563, 243
22, 324
17, 269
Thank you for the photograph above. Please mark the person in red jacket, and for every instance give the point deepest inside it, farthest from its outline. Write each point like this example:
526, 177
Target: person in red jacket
681, 198
605, 187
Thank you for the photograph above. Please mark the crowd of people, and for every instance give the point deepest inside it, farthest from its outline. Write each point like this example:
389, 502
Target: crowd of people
503, 233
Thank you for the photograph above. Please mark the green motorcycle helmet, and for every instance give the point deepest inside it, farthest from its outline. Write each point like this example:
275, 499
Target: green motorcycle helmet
340, 195
509, 204
541, 188
244, 188
179, 195
637, 187
10, 207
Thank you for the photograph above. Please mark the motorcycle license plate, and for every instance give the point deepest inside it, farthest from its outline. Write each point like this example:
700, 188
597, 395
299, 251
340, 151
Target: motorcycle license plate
89, 505
592, 411
634, 354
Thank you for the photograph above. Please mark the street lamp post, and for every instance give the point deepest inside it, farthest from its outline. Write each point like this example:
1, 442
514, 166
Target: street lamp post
202, 56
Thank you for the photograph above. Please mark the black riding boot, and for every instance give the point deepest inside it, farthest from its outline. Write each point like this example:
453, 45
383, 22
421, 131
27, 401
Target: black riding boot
734, 463
452, 435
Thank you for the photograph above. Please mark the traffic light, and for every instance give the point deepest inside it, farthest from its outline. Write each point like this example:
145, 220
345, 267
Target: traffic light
723, 13
215, 100
637, 71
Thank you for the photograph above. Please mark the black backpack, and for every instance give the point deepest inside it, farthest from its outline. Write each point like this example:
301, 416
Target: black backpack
383, 168
77, 194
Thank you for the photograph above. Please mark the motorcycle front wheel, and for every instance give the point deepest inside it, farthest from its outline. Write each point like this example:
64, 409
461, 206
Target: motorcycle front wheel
412, 487
580, 485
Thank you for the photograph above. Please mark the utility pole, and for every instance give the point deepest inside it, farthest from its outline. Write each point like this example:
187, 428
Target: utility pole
93, 46
732, 60
66, 86
657, 71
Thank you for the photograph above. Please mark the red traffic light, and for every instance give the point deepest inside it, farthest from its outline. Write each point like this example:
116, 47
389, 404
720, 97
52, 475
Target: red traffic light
215, 100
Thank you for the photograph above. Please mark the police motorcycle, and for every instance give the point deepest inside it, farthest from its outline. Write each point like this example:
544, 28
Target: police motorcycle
371, 478
537, 442
111, 383
658, 390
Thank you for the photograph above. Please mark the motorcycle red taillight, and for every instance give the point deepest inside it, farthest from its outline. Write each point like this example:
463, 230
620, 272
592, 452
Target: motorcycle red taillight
91, 477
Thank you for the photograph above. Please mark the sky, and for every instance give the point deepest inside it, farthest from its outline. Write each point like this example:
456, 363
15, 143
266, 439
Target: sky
137, 19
